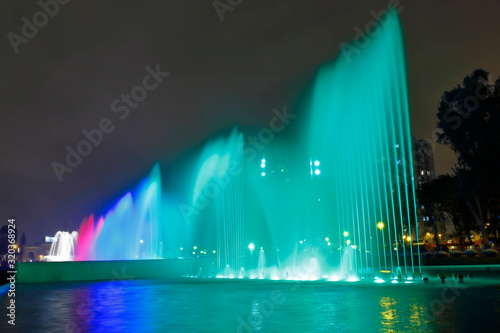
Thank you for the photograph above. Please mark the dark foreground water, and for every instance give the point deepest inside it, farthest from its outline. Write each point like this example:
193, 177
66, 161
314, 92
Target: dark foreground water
193, 305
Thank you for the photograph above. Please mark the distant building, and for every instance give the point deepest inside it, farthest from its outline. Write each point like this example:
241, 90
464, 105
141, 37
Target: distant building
423, 160
36, 252
4, 244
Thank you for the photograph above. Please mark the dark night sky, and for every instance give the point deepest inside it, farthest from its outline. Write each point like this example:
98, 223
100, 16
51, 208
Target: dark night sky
221, 73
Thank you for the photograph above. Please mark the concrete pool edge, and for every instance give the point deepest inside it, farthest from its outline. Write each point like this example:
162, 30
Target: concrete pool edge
73, 271
69, 271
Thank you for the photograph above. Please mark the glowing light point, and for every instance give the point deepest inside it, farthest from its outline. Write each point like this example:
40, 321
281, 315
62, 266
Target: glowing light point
317, 172
141, 241
346, 234
262, 165
263, 174
327, 239
251, 247
316, 163
380, 225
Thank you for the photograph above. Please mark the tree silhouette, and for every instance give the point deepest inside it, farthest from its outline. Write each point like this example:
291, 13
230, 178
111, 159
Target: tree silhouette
469, 117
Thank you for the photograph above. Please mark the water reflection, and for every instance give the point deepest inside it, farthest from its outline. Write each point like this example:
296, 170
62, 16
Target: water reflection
247, 306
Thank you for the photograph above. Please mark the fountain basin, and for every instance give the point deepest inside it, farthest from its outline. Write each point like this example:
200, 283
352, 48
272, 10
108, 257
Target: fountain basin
36, 272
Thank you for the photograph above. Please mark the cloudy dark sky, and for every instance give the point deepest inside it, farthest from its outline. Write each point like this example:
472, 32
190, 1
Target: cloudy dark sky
64, 79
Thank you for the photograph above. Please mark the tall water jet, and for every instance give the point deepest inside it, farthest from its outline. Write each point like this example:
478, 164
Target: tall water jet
261, 263
218, 194
63, 247
360, 152
130, 230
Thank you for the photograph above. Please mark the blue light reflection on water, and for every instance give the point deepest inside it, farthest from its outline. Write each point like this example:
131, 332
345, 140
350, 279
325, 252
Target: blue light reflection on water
245, 306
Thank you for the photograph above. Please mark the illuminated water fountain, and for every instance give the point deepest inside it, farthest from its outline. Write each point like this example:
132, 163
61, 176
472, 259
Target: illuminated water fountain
129, 230
342, 204
218, 195
359, 132
63, 247
336, 202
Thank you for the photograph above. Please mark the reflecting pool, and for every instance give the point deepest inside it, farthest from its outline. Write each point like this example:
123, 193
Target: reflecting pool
222, 305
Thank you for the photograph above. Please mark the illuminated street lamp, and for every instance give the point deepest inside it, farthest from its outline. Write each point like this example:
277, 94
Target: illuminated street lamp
380, 226
346, 234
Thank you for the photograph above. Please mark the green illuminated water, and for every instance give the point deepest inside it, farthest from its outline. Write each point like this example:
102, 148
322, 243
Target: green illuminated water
336, 201
360, 131
332, 200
